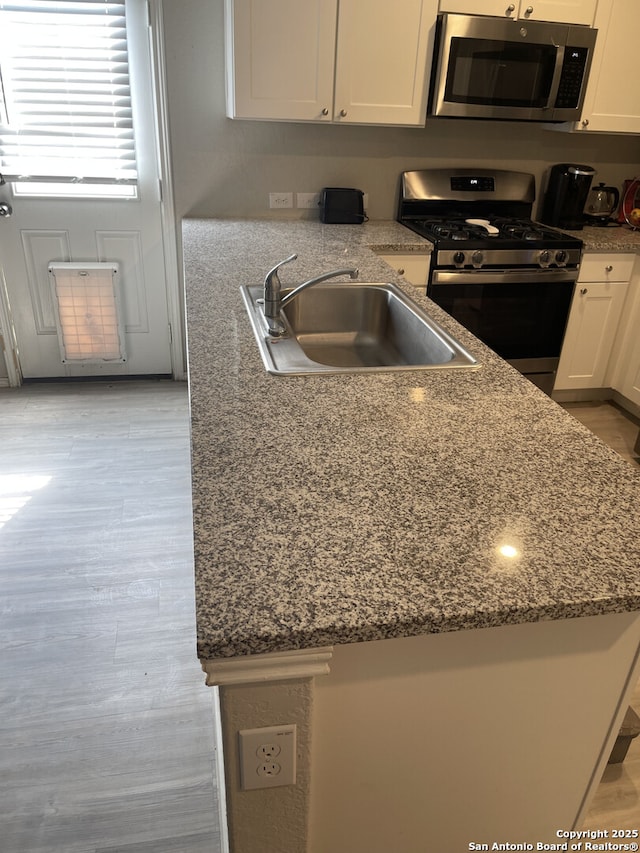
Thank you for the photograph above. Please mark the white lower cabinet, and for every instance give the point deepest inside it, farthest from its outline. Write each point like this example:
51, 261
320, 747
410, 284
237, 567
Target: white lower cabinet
624, 374
595, 314
411, 266
629, 386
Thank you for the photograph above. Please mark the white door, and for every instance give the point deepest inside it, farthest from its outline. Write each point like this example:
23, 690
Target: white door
127, 231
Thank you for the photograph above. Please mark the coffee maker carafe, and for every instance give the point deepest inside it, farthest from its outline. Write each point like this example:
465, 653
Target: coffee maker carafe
566, 195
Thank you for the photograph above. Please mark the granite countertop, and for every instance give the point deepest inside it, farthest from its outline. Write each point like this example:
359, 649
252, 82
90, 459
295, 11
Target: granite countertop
609, 239
346, 508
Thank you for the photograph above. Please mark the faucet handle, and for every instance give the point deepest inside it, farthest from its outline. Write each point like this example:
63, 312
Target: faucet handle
273, 273
273, 298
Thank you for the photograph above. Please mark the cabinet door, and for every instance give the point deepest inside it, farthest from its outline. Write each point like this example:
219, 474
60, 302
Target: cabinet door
382, 67
593, 321
496, 8
630, 386
625, 370
612, 101
280, 59
565, 11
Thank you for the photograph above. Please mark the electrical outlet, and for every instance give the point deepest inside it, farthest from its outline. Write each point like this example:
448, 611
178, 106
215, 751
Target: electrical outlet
267, 757
308, 200
280, 200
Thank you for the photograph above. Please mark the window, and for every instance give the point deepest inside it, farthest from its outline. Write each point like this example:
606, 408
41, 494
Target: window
66, 124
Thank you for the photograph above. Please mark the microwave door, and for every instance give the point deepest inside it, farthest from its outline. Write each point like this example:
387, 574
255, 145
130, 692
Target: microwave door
489, 69
499, 80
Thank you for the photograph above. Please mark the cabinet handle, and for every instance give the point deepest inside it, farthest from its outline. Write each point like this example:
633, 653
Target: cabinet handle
583, 290
585, 122
510, 8
343, 113
608, 268
529, 10
401, 271
325, 112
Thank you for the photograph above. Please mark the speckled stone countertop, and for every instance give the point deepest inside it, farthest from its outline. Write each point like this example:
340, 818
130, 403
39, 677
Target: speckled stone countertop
609, 239
345, 508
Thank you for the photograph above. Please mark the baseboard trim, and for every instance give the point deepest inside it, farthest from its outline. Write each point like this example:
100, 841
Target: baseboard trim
589, 395
582, 395
628, 405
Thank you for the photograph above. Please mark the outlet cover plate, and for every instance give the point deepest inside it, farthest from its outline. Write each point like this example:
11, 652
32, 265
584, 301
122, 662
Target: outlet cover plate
267, 757
280, 201
309, 201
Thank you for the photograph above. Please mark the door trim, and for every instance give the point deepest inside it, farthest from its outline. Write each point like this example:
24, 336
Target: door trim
12, 361
167, 208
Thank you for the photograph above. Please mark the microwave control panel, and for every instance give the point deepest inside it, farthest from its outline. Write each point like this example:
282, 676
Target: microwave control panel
571, 78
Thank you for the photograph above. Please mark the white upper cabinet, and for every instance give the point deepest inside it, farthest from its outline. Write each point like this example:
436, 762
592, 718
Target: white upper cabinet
352, 62
564, 11
280, 58
383, 61
612, 100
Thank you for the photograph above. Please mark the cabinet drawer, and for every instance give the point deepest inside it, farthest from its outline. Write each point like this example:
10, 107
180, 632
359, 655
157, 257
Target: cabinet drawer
413, 267
606, 267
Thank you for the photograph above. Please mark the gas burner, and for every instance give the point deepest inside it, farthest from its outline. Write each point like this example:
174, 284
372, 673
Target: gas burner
459, 229
520, 229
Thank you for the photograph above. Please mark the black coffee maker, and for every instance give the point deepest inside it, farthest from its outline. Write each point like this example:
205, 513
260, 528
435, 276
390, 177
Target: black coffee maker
568, 186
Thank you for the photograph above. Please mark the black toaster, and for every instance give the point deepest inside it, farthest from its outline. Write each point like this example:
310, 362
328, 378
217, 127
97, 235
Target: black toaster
341, 205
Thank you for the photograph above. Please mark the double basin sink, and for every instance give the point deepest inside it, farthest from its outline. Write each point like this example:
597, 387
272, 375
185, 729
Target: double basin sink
361, 327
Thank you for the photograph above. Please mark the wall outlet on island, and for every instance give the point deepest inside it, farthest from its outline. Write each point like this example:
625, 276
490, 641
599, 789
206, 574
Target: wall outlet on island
267, 757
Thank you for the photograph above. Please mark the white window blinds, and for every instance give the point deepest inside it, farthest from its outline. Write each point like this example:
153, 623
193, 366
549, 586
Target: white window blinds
65, 100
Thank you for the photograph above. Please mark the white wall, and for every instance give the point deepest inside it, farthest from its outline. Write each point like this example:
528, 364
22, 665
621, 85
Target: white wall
227, 168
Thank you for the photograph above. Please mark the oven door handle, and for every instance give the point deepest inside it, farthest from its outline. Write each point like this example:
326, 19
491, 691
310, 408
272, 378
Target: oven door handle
501, 276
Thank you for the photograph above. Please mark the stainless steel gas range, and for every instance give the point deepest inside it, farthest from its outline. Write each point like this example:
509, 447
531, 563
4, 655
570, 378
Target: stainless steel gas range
506, 278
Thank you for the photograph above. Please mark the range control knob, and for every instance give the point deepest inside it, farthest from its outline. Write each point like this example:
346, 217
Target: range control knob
477, 258
561, 257
544, 258
458, 258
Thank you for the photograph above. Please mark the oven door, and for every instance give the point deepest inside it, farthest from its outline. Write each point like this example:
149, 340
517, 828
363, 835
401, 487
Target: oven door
522, 316
486, 68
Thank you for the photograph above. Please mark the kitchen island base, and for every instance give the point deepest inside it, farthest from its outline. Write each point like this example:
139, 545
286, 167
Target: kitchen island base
436, 741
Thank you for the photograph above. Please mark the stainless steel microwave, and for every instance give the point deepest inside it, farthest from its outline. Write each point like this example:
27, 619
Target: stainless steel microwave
504, 69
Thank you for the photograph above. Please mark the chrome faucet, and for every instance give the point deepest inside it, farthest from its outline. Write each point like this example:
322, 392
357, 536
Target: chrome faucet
274, 302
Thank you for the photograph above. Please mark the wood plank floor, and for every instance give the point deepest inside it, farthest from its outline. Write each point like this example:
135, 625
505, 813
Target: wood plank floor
106, 741
616, 804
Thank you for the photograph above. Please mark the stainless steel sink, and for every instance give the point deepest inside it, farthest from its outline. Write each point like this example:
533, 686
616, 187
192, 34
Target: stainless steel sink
361, 327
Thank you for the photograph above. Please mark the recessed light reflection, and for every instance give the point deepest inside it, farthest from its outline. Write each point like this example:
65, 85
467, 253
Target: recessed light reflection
508, 551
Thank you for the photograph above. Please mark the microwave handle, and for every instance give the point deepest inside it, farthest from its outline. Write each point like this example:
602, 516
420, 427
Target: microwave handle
557, 74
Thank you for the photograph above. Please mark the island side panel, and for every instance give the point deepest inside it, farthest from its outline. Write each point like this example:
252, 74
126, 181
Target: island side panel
270, 819
500, 734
